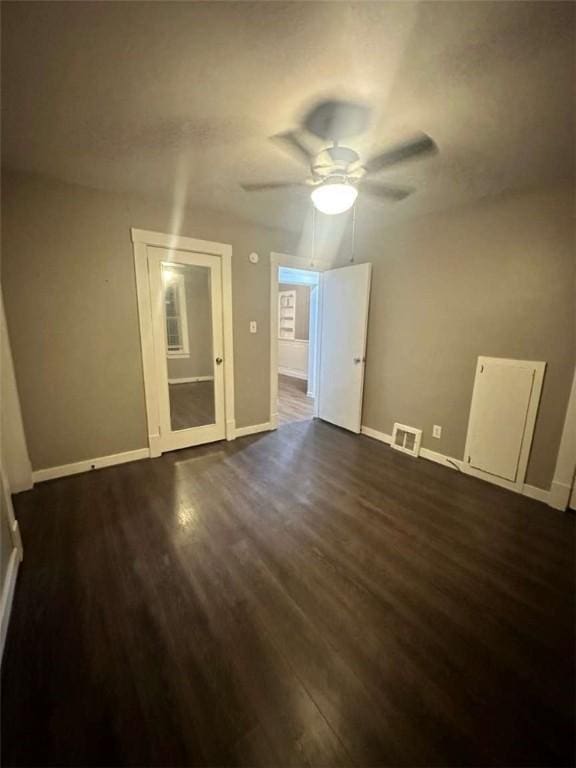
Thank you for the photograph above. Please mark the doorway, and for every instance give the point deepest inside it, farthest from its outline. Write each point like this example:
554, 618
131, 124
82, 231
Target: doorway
184, 301
295, 293
297, 325
325, 378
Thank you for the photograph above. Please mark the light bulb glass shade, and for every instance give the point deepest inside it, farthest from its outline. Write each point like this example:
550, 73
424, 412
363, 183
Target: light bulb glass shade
334, 197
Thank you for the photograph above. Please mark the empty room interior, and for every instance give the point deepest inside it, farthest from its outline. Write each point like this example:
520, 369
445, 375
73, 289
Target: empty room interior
288, 396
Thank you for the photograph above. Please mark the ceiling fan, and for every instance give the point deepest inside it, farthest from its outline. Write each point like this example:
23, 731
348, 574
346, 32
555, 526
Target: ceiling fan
336, 171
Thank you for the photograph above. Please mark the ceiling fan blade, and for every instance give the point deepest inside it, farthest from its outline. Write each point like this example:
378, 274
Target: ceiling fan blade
292, 142
419, 145
385, 191
257, 187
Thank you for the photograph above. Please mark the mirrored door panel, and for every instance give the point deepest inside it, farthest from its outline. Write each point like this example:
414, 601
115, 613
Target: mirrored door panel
189, 344
187, 316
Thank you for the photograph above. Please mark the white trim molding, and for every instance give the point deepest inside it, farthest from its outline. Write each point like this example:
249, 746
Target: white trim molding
440, 458
539, 494
565, 471
190, 379
142, 240
254, 429
382, 437
8, 595
297, 262
559, 496
13, 446
16, 556
50, 473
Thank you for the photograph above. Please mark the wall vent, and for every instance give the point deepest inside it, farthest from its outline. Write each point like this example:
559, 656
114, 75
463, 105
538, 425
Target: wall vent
406, 439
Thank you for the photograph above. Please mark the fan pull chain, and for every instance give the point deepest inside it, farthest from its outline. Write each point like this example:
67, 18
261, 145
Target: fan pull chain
353, 248
313, 236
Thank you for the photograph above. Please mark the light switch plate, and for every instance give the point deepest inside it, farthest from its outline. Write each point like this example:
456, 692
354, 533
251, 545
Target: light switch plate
436, 431
253, 326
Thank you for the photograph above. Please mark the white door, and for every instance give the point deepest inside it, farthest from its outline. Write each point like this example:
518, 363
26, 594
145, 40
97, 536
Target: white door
186, 300
343, 328
312, 341
502, 416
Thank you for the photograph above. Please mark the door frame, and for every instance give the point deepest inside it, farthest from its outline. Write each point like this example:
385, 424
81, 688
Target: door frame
141, 239
563, 486
296, 262
538, 367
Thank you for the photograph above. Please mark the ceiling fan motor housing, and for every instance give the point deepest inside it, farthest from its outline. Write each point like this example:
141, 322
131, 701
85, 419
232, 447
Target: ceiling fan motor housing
334, 120
336, 160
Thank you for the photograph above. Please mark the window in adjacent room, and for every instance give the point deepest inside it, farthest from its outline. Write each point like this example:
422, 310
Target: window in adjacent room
176, 317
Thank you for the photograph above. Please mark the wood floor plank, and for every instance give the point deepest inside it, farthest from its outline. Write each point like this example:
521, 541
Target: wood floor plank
306, 597
293, 403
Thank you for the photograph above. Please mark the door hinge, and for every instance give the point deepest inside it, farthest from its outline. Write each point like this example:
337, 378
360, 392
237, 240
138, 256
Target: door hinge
468, 459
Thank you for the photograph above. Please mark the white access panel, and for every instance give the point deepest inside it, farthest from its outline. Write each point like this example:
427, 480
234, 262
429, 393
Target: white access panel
343, 330
502, 416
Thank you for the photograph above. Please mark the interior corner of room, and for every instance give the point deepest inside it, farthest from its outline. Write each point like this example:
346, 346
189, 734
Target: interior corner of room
288, 340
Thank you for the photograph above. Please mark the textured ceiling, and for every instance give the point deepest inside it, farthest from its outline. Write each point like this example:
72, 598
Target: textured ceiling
178, 99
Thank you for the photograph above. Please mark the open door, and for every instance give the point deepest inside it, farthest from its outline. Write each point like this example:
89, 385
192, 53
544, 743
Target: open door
343, 328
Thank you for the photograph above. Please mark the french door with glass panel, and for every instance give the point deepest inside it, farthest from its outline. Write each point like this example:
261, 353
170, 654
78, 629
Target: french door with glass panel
186, 301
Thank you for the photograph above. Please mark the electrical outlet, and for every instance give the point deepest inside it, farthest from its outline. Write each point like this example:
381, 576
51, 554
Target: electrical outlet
436, 431
253, 326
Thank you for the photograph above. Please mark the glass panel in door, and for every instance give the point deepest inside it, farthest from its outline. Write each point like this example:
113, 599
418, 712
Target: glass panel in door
189, 346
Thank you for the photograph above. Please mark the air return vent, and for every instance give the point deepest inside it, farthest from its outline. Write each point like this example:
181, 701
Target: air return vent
406, 439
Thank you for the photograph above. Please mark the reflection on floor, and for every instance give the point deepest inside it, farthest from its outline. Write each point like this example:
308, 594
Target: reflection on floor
293, 404
191, 404
299, 597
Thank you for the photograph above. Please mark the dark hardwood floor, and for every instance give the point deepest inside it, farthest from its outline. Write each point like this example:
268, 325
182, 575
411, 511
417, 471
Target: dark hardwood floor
306, 597
293, 403
191, 404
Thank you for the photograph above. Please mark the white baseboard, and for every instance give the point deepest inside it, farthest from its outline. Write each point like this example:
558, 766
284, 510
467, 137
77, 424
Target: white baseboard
440, 458
559, 495
539, 494
8, 595
294, 373
254, 429
191, 380
381, 436
18, 487
40, 475
448, 461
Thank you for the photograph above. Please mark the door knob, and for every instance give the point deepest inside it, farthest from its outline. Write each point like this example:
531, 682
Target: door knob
218, 361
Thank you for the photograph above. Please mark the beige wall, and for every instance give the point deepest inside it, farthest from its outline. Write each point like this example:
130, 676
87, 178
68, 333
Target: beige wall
302, 327
197, 293
495, 279
69, 290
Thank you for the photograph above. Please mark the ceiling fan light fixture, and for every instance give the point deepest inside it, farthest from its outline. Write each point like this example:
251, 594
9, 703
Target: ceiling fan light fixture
334, 197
